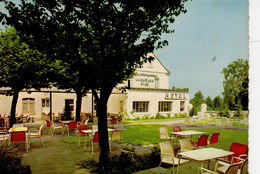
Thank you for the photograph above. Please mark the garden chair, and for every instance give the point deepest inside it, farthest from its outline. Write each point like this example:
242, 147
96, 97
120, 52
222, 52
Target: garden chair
214, 138
164, 134
116, 136
35, 133
168, 157
17, 125
53, 126
240, 151
232, 169
222, 166
177, 129
94, 140
73, 125
185, 145
82, 134
19, 137
202, 141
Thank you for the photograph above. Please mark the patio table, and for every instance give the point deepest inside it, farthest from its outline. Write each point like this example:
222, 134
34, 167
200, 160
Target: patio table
205, 154
18, 129
188, 133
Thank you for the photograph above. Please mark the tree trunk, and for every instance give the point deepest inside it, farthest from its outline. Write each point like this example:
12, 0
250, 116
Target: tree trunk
78, 104
13, 107
103, 133
102, 124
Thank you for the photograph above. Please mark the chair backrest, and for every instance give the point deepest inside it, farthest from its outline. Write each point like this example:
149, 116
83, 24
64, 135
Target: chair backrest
233, 168
185, 145
244, 167
73, 125
116, 135
48, 123
94, 127
238, 150
163, 132
166, 148
214, 138
17, 125
82, 127
96, 137
113, 120
203, 140
18, 136
41, 130
86, 122
176, 129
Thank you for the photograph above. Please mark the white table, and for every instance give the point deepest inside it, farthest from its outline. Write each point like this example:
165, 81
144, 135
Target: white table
205, 154
188, 133
92, 131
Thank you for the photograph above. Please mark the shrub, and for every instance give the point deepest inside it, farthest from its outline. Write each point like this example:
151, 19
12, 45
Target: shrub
182, 115
11, 162
176, 115
159, 116
128, 161
146, 117
168, 115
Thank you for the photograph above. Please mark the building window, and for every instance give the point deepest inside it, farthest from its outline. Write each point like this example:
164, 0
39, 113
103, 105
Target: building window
70, 103
182, 105
28, 105
45, 103
141, 106
165, 106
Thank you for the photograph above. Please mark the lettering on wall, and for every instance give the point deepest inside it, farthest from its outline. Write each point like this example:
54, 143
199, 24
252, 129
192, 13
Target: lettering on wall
146, 80
175, 95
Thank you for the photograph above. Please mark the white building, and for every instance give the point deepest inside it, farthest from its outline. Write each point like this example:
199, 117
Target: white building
148, 95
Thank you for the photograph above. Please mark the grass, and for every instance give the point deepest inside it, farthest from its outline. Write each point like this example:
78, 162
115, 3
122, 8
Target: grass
128, 121
146, 134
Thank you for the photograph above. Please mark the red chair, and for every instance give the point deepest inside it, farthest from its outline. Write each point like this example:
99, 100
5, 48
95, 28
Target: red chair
73, 125
202, 141
213, 138
19, 137
82, 134
240, 151
113, 120
177, 129
94, 140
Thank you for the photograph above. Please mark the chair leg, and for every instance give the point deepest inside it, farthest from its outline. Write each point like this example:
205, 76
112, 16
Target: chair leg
92, 147
42, 141
79, 141
85, 147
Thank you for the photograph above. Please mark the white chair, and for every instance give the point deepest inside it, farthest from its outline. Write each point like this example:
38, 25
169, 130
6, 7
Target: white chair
164, 134
168, 157
231, 169
35, 133
116, 136
17, 125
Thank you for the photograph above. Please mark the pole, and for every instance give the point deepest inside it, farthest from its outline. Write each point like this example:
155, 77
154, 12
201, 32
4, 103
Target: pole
51, 106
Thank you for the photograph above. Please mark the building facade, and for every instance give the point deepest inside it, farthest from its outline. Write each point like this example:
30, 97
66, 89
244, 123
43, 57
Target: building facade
146, 94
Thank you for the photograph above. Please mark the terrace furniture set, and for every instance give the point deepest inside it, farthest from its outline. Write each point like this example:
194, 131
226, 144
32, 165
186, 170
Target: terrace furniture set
233, 161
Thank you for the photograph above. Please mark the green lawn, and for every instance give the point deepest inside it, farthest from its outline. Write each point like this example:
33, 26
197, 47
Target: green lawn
145, 134
127, 121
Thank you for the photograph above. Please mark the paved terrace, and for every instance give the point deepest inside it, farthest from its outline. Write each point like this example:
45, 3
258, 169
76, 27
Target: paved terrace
58, 157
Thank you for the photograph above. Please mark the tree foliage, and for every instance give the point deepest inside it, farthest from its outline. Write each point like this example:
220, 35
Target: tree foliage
21, 67
236, 84
196, 101
218, 104
209, 103
112, 37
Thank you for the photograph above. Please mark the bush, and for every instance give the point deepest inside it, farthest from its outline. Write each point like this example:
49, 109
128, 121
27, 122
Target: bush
176, 115
11, 162
159, 116
128, 161
168, 115
182, 115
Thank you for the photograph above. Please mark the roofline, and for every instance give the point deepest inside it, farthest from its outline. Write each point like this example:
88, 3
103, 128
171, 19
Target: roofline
160, 89
161, 63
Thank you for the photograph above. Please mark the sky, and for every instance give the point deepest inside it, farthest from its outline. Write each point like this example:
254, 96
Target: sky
211, 29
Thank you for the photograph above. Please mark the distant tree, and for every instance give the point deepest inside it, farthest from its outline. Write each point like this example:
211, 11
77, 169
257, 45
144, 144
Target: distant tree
218, 104
236, 84
21, 67
173, 87
196, 102
116, 38
209, 103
